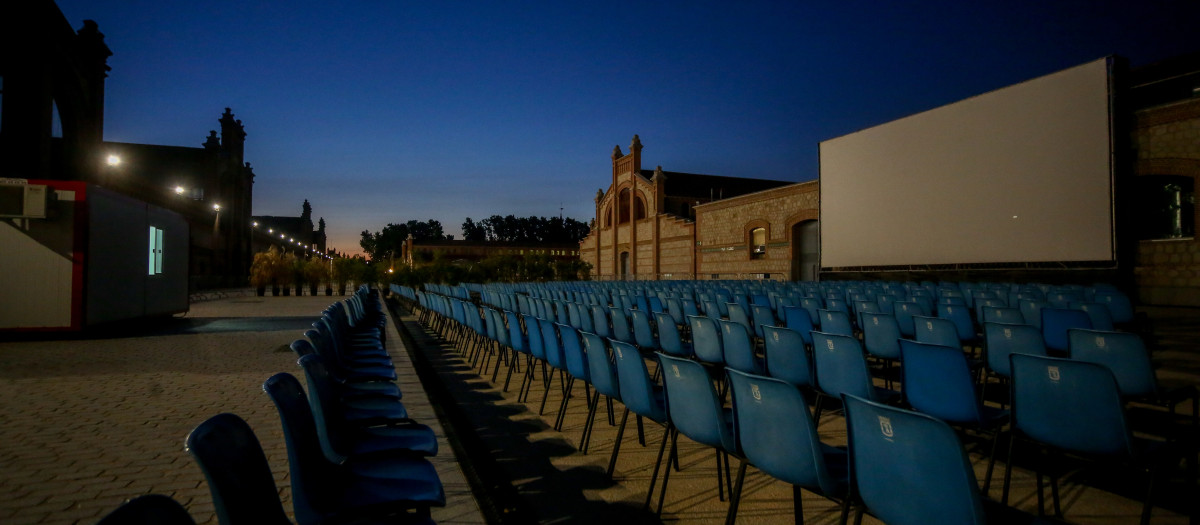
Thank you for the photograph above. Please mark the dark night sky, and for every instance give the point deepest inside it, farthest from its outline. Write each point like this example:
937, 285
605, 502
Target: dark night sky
384, 111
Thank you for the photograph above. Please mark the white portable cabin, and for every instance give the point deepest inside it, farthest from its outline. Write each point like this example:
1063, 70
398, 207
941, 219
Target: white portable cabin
74, 255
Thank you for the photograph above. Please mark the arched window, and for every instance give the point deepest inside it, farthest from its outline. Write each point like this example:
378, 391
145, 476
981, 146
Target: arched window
623, 207
758, 243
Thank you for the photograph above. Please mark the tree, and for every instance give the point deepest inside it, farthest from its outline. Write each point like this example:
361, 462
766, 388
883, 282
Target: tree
474, 231
389, 241
532, 229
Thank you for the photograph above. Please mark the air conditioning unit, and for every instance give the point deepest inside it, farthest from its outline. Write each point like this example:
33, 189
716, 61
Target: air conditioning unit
19, 199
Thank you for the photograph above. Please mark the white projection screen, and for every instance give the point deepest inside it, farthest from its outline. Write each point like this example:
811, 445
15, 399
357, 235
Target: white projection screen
1018, 175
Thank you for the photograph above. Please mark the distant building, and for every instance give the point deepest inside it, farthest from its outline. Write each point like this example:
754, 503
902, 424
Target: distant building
52, 126
416, 253
290, 232
669, 225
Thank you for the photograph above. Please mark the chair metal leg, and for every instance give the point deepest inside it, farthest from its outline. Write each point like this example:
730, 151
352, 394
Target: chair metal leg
641, 432
1146, 505
736, 496
797, 505
720, 480
987, 482
666, 473
588, 422
1008, 463
562, 407
612, 462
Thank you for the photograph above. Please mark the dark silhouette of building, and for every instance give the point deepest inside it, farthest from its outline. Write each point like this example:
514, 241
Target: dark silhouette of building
52, 127
290, 233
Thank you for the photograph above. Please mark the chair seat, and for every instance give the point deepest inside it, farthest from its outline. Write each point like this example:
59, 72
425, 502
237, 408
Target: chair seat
393, 439
373, 410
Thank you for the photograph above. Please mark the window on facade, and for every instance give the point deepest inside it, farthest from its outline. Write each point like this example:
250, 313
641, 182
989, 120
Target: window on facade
758, 243
1165, 206
639, 207
154, 263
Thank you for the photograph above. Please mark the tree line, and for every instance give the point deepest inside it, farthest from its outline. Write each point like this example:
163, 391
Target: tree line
389, 241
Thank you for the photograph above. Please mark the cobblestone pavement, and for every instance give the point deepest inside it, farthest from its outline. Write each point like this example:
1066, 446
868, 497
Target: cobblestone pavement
89, 421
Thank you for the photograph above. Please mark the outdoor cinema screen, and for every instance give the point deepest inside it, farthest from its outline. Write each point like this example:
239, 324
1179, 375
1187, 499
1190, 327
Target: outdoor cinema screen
1018, 175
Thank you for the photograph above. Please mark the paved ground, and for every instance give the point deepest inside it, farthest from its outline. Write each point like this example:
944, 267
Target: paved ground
89, 421
550, 481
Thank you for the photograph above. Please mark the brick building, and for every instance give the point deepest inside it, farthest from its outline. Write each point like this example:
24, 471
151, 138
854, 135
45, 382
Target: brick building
670, 225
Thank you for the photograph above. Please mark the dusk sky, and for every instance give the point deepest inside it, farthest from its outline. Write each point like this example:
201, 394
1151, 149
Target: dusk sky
384, 111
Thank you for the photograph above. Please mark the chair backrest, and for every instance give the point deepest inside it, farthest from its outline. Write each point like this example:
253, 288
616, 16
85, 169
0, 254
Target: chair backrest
840, 366
575, 316
937, 381
1098, 312
739, 348
786, 356
516, 337
739, 314
1031, 311
761, 315
1068, 404
1119, 305
633, 381
812, 304
935, 330
798, 319
1056, 322
675, 308
323, 400
980, 304
960, 315
692, 403
1004, 339
909, 468
600, 321
572, 349
904, 312
776, 433
1122, 352
534, 328
706, 339
621, 330
835, 322
1002, 314
550, 340
669, 340
239, 477
150, 509
689, 308
881, 335
312, 475
643, 332
600, 366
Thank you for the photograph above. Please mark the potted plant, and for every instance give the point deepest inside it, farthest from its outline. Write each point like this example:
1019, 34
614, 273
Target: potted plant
298, 275
262, 271
343, 268
283, 273
315, 273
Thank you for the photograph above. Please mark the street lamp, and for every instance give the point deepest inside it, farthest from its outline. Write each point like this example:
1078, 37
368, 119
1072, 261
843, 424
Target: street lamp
179, 190
113, 160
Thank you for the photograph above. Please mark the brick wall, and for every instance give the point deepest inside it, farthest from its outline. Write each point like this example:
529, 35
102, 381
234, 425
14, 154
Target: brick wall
723, 229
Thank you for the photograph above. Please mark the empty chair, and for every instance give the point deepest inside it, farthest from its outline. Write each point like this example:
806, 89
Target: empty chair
797, 318
621, 330
600, 322
1086, 418
908, 468
939, 382
761, 315
1031, 311
152, 509
881, 339
1101, 319
739, 348
740, 315
1119, 305
554, 359
842, 369
835, 322
1125, 354
669, 340
706, 340
603, 376
239, 477
1005, 339
643, 331
640, 396
694, 410
322, 489
904, 312
1056, 322
576, 367
812, 304
776, 433
935, 330
961, 317
787, 357
1002, 314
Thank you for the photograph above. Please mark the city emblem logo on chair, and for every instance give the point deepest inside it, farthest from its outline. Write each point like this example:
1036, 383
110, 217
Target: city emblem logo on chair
885, 427
754, 391
929, 325
1052, 372
776, 336
1008, 333
675, 370
1100, 341
875, 320
829, 343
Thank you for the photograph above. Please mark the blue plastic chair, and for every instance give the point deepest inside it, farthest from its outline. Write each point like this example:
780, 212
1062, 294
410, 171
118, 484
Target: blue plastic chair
904, 312
643, 331
640, 396
776, 433
239, 477
908, 468
576, 368
695, 410
706, 340
797, 318
322, 489
600, 321
669, 339
1125, 354
938, 382
739, 348
554, 359
835, 322
937, 331
1056, 322
1119, 305
621, 330
537, 354
1086, 416
963, 324
603, 376
1000, 314
812, 304
761, 315
881, 339
787, 357
1101, 319
1031, 311
842, 369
